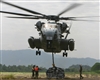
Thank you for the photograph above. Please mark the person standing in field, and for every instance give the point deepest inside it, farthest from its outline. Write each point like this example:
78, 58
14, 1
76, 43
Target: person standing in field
33, 71
36, 71
81, 77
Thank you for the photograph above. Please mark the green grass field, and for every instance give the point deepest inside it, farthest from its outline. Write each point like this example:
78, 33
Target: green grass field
12, 75
9, 75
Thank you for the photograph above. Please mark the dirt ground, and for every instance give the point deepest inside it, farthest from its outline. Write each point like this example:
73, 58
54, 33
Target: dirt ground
95, 78
42, 76
68, 79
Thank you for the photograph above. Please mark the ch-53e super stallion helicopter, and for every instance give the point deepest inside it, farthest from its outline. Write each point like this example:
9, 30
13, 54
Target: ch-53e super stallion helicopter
51, 33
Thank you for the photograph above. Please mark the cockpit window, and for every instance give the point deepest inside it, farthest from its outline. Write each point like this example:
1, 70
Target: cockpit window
49, 26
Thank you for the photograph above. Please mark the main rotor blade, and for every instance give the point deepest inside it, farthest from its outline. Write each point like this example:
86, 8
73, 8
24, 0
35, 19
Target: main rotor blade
69, 8
24, 17
30, 11
75, 19
83, 17
84, 20
19, 14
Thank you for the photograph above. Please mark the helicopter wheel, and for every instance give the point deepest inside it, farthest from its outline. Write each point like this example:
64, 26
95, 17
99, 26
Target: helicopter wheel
65, 54
38, 52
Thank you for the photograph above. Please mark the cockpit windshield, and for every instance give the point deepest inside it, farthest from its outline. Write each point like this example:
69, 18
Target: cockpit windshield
48, 25
49, 30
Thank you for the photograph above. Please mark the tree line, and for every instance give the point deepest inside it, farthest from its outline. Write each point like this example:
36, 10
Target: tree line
23, 68
19, 68
76, 68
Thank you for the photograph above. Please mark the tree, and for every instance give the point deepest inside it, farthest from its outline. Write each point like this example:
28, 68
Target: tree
75, 68
0, 67
96, 67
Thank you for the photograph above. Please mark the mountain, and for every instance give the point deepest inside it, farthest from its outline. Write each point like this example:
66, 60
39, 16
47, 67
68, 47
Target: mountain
28, 57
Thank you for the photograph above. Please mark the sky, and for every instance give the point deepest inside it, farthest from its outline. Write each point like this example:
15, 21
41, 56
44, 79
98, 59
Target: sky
14, 33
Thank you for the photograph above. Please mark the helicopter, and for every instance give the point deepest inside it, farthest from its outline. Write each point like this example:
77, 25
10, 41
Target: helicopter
51, 33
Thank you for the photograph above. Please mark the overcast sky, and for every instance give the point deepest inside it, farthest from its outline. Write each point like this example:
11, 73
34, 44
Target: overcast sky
14, 33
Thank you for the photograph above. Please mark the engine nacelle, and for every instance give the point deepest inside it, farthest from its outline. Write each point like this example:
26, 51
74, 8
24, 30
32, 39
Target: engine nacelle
64, 44
39, 25
31, 42
34, 43
67, 44
64, 27
71, 44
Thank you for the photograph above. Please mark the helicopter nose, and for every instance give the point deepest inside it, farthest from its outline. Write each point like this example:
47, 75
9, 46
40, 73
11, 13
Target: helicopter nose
49, 38
49, 35
49, 44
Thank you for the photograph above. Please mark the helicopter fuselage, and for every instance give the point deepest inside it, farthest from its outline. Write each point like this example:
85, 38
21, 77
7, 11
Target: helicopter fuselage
51, 38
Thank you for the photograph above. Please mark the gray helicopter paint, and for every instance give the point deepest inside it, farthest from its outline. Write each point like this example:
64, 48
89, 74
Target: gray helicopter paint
50, 32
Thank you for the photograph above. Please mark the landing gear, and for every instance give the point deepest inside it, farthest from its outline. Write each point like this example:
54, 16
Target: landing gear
38, 52
65, 54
